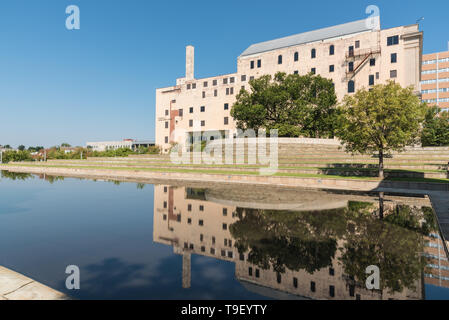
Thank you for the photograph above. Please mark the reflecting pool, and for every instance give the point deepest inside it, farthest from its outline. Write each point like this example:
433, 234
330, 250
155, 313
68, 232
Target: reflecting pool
196, 241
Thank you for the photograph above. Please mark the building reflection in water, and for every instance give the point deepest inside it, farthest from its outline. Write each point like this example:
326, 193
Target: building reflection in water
306, 244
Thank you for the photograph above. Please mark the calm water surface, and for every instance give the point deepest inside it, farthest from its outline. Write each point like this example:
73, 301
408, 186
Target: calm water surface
143, 241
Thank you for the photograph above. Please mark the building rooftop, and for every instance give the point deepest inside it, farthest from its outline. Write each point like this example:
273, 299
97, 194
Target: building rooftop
310, 36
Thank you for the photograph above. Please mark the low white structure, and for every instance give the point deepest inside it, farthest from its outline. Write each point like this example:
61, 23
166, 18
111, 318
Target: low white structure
125, 143
107, 145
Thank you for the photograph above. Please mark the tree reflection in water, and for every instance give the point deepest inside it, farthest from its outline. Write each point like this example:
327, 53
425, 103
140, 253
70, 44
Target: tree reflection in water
360, 235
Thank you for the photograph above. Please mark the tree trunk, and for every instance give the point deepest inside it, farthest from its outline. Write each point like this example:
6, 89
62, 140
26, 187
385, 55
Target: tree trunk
381, 206
381, 163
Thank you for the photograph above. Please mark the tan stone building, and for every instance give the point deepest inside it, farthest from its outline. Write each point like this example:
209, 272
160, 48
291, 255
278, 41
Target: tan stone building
435, 79
354, 55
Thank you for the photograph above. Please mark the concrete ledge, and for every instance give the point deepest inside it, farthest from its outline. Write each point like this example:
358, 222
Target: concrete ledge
15, 286
320, 183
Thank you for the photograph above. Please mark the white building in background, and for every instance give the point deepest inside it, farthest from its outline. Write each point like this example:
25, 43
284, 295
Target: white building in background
125, 143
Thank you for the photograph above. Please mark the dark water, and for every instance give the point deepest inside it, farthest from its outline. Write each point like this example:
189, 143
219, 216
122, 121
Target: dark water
136, 241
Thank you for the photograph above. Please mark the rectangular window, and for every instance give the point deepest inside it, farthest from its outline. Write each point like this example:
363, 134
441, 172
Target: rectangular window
165, 204
313, 71
393, 74
201, 223
332, 291
331, 68
193, 85
166, 139
226, 106
190, 123
295, 282
212, 251
372, 62
225, 226
351, 51
280, 59
394, 57
203, 108
257, 273
203, 123
252, 64
243, 78
205, 84
231, 90
351, 290
392, 41
259, 63
201, 208
189, 86
331, 271
225, 212
357, 44
251, 78
180, 113
226, 120
204, 94
166, 124
225, 81
351, 67
214, 82
227, 91
377, 75
312, 286
371, 80
166, 112
242, 257
215, 93
189, 206
191, 110
250, 271
296, 72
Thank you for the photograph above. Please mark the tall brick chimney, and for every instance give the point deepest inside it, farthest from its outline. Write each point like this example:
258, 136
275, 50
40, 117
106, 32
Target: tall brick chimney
190, 63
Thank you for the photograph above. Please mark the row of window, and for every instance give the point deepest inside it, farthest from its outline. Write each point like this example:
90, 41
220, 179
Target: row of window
214, 82
203, 123
435, 81
435, 90
435, 100
351, 83
435, 61
191, 246
312, 55
432, 71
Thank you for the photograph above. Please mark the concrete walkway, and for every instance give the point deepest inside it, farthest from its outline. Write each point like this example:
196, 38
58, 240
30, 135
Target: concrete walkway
15, 286
440, 203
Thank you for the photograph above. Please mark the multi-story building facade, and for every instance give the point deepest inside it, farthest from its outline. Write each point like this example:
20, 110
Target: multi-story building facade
435, 79
353, 55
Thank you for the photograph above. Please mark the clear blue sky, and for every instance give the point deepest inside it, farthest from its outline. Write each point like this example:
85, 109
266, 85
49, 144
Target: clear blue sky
98, 83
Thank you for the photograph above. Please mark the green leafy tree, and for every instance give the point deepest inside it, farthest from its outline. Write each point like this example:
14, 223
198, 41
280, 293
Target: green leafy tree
386, 118
21, 147
294, 105
436, 128
65, 145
